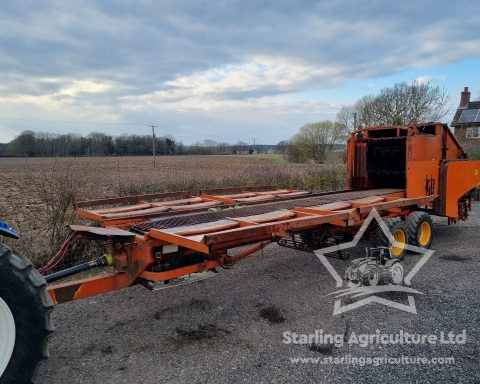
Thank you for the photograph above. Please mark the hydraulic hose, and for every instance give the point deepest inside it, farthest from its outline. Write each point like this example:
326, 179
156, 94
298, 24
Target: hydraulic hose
102, 261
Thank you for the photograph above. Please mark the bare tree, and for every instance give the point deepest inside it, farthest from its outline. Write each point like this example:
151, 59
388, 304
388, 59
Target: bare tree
315, 139
345, 117
400, 104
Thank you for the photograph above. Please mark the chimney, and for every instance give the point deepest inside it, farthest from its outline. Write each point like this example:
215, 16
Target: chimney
464, 98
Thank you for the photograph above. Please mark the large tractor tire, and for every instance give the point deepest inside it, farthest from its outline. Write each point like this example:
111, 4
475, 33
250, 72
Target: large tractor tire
420, 229
25, 323
399, 232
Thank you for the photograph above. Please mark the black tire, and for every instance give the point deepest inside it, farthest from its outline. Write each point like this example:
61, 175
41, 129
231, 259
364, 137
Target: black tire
379, 238
23, 289
414, 227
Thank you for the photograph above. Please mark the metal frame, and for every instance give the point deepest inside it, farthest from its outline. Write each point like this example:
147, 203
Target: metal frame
137, 255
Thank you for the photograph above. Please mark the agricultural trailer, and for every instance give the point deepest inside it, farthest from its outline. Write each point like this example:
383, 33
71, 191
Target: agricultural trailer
406, 173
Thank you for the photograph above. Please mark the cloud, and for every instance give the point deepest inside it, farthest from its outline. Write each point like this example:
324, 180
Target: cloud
425, 79
185, 62
260, 82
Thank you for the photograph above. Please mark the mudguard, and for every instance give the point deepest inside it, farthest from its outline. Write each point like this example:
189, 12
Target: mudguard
7, 231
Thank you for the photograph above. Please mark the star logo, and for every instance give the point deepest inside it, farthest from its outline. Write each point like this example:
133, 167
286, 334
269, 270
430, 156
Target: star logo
370, 291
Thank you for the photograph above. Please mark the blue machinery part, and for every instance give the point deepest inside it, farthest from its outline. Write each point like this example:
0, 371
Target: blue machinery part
7, 231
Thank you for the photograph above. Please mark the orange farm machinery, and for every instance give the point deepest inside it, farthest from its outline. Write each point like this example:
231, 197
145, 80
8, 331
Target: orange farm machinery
406, 173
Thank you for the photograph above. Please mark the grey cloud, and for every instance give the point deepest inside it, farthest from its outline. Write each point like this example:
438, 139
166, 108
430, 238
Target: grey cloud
156, 41
141, 45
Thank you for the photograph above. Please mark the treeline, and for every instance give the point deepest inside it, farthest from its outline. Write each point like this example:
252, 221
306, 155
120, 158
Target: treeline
42, 144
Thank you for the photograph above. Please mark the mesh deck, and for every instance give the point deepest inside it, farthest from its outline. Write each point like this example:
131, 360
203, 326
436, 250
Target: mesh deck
206, 217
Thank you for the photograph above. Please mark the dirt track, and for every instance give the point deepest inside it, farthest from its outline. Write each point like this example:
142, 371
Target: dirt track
229, 328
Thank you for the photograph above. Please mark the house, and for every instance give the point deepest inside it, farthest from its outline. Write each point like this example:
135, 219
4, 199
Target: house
467, 118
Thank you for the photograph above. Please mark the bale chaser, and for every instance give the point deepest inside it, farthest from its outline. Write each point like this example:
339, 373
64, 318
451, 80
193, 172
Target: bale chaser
406, 173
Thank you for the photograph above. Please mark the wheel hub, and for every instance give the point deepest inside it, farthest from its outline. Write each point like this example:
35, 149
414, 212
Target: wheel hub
7, 335
425, 233
399, 245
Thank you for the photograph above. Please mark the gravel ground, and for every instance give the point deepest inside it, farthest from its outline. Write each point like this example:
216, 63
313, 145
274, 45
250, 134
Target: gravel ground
228, 329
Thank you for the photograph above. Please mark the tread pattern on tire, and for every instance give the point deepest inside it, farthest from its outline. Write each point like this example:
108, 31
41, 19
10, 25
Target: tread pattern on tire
412, 222
378, 237
24, 290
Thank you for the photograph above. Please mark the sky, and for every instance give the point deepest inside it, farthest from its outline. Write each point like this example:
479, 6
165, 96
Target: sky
222, 70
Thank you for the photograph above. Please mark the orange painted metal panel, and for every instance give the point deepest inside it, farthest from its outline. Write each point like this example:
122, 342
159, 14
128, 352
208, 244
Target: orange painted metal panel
124, 209
133, 214
367, 200
189, 207
424, 148
198, 229
266, 217
266, 230
182, 241
179, 272
398, 203
179, 202
62, 293
334, 206
423, 158
131, 199
461, 176
422, 178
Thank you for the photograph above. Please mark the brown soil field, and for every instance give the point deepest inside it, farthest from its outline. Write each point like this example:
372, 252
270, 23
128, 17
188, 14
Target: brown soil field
37, 195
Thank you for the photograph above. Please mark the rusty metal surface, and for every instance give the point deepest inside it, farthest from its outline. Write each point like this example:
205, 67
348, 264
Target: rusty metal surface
131, 199
111, 231
205, 217
196, 229
135, 213
270, 216
230, 190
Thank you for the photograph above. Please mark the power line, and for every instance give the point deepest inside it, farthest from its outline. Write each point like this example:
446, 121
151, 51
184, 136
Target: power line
153, 126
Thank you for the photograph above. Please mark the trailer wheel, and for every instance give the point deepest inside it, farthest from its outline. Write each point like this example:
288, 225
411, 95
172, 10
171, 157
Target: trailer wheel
399, 231
25, 322
420, 229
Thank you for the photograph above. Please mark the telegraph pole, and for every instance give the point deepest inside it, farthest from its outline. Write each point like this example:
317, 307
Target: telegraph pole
153, 126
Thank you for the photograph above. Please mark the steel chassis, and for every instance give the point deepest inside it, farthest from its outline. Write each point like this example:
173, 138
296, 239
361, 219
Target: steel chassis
139, 243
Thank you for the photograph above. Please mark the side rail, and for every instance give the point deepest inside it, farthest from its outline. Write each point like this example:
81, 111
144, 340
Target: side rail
125, 211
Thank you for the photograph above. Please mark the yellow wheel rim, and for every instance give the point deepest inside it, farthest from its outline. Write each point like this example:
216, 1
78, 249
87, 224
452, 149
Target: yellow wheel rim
400, 240
425, 233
